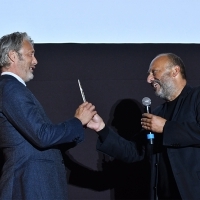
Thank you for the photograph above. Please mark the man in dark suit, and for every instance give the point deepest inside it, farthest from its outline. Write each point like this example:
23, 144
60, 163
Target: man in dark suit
33, 167
175, 154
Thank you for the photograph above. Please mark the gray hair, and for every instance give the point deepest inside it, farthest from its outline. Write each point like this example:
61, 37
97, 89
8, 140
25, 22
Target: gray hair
11, 42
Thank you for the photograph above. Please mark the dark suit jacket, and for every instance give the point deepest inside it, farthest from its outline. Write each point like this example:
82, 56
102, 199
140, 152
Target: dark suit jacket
181, 136
34, 167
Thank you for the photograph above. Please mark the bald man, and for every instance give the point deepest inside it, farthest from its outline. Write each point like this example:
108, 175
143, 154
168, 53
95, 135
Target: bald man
175, 154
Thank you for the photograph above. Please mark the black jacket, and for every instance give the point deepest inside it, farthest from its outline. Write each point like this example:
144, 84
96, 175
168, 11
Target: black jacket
181, 136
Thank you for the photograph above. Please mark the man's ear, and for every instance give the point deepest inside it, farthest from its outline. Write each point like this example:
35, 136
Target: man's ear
175, 70
12, 55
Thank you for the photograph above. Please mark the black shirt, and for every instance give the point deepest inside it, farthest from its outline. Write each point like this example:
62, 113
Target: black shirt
167, 187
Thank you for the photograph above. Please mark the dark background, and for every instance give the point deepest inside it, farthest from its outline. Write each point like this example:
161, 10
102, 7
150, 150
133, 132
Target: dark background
113, 77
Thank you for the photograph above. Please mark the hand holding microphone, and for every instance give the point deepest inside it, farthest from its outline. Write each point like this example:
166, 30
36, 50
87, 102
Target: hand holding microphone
151, 122
146, 101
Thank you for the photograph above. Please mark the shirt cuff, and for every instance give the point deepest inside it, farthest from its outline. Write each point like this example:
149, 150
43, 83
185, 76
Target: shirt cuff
103, 133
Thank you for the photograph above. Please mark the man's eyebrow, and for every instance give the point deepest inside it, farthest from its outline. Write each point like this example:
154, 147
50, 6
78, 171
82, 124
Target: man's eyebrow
32, 51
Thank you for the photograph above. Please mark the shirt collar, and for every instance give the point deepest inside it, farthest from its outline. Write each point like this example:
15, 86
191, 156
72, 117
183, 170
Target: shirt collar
16, 76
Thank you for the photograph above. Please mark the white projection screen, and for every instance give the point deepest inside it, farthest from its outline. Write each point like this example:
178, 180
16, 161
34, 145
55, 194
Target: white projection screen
103, 21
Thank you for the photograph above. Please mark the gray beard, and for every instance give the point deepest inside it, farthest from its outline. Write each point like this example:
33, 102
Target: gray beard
29, 77
167, 89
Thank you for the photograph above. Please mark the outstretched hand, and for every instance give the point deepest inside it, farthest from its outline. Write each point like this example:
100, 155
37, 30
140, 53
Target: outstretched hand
96, 123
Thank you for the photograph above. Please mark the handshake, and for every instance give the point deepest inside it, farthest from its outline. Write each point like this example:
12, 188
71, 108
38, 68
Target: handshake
88, 116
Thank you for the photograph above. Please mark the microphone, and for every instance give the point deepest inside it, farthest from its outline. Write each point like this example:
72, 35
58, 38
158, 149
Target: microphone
146, 101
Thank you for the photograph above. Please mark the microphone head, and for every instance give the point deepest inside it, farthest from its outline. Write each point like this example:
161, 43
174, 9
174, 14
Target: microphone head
146, 101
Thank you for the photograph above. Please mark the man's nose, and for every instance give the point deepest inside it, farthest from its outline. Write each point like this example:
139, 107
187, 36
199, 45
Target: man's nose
35, 61
150, 78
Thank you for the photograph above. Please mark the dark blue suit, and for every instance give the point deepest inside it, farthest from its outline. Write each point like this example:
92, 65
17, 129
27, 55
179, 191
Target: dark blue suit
181, 136
34, 167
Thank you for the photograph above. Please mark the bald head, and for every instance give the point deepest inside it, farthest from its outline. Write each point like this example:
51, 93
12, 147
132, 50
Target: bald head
171, 60
167, 76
